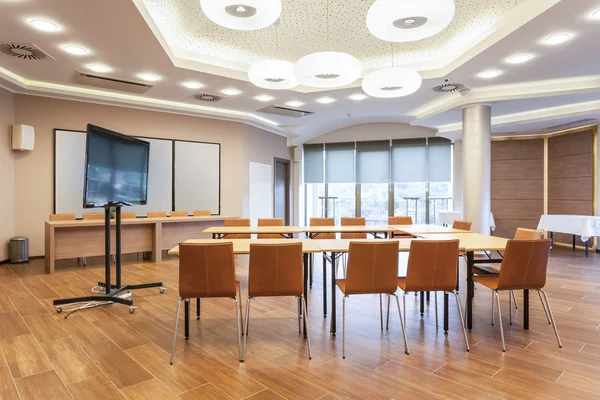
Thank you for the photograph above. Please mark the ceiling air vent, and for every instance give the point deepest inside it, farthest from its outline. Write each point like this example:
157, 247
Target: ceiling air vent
207, 97
25, 51
449, 87
285, 111
103, 82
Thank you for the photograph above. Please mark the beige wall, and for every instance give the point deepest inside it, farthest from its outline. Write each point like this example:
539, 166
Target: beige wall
374, 131
7, 164
34, 170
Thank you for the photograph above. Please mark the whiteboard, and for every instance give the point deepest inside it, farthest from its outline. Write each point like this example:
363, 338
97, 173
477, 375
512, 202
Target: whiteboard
197, 176
260, 192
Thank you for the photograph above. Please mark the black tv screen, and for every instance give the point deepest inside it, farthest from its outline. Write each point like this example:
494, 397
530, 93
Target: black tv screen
116, 169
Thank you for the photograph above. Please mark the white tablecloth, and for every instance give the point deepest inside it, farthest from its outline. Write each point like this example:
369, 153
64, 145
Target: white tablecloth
582, 225
448, 218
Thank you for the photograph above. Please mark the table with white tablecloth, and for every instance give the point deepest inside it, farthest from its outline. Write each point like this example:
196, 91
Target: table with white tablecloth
447, 218
586, 226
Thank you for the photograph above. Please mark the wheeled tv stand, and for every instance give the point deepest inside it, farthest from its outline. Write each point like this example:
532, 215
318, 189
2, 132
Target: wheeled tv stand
108, 295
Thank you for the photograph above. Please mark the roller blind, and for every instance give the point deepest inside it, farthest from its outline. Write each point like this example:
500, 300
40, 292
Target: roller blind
439, 160
409, 160
339, 163
373, 161
313, 163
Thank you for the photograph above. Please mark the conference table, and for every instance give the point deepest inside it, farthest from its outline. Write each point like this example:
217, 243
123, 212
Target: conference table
416, 230
221, 232
375, 230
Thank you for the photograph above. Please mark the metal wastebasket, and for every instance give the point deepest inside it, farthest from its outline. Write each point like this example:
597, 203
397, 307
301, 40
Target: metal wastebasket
18, 249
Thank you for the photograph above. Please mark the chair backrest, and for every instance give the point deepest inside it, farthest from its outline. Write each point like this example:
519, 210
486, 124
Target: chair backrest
372, 267
179, 214
269, 222
400, 220
353, 221
62, 217
524, 264
156, 214
237, 222
128, 215
528, 234
464, 225
323, 222
432, 265
202, 213
206, 270
88, 216
275, 270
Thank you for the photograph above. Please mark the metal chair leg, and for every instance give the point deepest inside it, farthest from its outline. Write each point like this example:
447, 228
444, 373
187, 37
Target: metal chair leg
344, 327
509, 308
197, 308
238, 318
239, 287
512, 292
387, 323
436, 311
462, 321
551, 318
84, 259
381, 310
404, 307
402, 325
247, 321
304, 306
176, 327
500, 319
545, 309
299, 314
493, 306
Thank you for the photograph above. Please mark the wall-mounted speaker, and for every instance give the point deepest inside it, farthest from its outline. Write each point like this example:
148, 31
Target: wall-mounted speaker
22, 137
297, 154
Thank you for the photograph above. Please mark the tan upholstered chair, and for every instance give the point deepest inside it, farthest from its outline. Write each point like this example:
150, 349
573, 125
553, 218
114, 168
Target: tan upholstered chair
321, 222
62, 217
128, 215
275, 270
524, 267
269, 222
202, 213
208, 271
237, 222
353, 221
372, 269
464, 225
400, 220
93, 216
179, 214
156, 214
432, 267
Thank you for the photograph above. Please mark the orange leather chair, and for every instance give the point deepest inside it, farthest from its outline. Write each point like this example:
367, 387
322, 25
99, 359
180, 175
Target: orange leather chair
372, 269
237, 222
275, 270
128, 215
353, 221
202, 213
62, 217
269, 222
208, 271
321, 222
523, 267
93, 216
156, 214
432, 267
179, 214
464, 225
400, 220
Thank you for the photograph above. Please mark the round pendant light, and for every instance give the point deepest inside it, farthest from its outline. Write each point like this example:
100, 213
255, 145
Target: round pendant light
407, 21
391, 82
242, 15
327, 69
273, 74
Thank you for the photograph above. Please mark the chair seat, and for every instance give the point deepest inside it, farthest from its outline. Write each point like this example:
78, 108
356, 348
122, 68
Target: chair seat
341, 283
402, 283
485, 270
489, 281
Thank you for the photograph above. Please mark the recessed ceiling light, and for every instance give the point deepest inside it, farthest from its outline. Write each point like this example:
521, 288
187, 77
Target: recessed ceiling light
99, 68
264, 97
557, 39
77, 50
519, 58
149, 77
596, 14
294, 103
325, 100
358, 96
193, 85
43, 25
230, 92
490, 74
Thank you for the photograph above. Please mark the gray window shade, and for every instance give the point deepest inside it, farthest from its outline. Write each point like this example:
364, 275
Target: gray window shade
339, 163
313, 163
409, 160
373, 161
439, 160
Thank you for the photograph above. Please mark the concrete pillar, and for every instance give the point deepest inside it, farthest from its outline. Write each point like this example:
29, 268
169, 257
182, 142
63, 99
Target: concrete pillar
476, 152
457, 189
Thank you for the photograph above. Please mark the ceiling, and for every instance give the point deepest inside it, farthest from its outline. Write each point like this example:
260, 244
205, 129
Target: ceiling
174, 40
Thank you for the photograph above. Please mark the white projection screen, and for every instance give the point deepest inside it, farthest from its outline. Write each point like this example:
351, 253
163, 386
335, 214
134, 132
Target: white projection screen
197, 176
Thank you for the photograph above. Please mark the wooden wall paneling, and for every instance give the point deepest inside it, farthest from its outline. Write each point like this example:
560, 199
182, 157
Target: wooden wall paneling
511, 189
518, 169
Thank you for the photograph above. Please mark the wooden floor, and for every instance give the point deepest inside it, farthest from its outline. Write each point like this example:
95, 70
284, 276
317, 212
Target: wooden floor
106, 353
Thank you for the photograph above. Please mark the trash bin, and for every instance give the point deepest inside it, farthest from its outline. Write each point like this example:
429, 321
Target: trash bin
18, 249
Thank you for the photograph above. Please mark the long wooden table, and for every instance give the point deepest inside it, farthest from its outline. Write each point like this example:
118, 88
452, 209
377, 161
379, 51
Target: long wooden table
79, 238
221, 232
417, 230
374, 230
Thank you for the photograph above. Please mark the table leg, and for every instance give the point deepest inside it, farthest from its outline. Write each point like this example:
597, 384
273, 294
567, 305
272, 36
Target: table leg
573, 242
446, 313
311, 270
306, 257
470, 262
526, 309
587, 247
422, 303
551, 239
187, 319
428, 296
324, 286
334, 262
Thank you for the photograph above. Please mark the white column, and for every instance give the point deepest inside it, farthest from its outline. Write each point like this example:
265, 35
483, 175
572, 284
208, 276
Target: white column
477, 147
457, 189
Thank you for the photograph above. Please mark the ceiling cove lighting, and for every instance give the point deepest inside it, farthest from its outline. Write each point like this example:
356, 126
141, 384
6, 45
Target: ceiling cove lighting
519, 58
325, 100
273, 74
407, 21
149, 77
493, 73
392, 82
242, 15
76, 50
264, 98
44, 25
230, 92
294, 103
357, 96
99, 68
557, 39
193, 85
327, 69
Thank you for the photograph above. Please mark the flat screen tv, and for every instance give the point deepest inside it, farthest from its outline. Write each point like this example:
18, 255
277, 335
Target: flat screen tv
116, 169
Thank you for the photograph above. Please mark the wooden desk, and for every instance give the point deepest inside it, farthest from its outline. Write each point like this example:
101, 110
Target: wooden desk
223, 231
75, 239
314, 231
417, 230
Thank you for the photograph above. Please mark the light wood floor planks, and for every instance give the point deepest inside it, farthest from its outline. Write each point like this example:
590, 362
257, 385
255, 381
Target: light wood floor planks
107, 353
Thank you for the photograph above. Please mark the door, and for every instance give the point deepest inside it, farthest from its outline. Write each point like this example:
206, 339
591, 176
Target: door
281, 190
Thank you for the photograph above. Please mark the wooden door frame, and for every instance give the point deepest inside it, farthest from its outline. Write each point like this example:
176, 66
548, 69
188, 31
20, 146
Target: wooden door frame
288, 180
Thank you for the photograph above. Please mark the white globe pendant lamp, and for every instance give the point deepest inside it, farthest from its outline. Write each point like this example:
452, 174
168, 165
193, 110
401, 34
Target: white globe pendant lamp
242, 15
327, 69
409, 20
273, 74
392, 82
